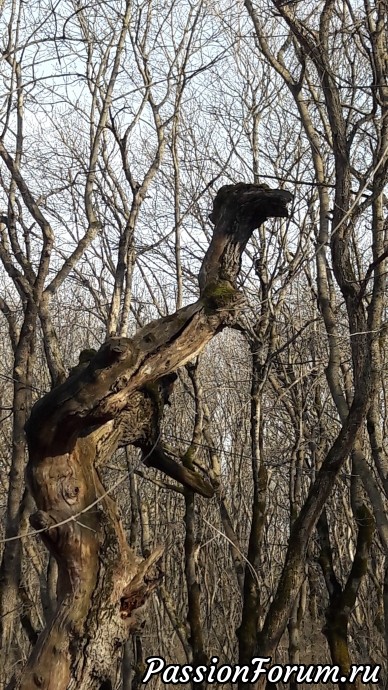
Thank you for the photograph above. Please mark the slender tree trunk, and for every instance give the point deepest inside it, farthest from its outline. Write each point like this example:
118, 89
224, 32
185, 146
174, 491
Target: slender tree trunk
11, 559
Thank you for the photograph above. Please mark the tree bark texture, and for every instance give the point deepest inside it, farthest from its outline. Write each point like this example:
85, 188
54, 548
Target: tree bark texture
343, 599
111, 401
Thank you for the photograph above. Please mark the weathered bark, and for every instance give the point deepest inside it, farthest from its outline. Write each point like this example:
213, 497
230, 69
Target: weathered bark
115, 400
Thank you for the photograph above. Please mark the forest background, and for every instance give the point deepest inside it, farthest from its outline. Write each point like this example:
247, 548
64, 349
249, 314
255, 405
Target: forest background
119, 122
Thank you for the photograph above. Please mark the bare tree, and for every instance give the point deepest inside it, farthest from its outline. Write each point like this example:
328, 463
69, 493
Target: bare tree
117, 123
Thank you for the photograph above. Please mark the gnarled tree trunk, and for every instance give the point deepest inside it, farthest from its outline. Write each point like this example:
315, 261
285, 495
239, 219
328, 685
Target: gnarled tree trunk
117, 399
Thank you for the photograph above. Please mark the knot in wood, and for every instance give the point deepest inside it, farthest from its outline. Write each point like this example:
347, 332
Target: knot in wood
71, 491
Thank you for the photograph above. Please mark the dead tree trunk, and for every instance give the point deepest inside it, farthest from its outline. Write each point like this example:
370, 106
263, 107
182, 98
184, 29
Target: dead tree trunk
114, 400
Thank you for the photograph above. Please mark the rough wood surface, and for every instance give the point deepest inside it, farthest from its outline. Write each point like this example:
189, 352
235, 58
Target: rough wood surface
114, 400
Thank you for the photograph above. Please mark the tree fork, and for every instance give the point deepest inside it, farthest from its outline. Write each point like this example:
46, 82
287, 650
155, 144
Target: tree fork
102, 584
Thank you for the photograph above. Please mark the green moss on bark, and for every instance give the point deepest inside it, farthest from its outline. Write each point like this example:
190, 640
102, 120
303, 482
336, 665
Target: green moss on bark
218, 295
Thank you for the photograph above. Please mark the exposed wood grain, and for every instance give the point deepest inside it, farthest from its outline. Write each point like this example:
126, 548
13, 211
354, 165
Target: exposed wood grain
115, 400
